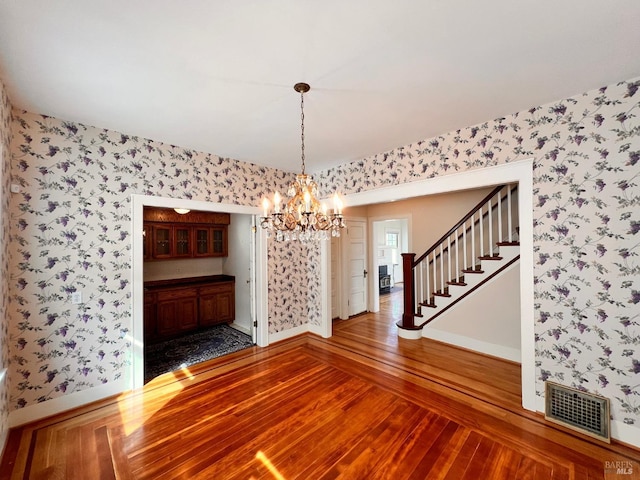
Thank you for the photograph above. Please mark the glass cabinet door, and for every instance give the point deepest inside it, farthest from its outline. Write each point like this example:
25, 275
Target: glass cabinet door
161, 241
203, 242
146, 241
218, 241
183, 241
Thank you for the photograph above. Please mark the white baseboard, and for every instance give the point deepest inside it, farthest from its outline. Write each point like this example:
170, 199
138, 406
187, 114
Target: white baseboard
242, 329
625, 433
318, 330
487, 348
285, 334
67, 402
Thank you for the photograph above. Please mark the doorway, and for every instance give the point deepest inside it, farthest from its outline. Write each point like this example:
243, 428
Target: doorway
349, 292
390, 237
520, 172
257, 288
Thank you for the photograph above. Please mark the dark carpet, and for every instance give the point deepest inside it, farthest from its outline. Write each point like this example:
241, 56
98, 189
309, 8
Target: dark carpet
190, 349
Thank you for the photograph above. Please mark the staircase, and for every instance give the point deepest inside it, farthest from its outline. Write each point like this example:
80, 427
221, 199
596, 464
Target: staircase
479, 247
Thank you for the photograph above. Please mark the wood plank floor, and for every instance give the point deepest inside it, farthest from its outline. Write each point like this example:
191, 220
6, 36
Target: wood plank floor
363, 404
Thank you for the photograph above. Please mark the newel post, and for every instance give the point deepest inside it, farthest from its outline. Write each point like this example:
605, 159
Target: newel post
409, 291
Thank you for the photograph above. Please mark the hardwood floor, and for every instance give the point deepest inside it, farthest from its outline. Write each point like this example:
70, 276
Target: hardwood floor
363, 404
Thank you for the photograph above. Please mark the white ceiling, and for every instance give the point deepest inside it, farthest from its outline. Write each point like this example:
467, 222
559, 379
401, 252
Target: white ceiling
218, 76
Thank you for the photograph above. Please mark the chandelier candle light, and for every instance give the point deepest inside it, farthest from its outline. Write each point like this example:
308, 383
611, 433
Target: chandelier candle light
302, 217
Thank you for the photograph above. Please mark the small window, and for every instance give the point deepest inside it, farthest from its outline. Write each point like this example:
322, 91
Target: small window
392, 239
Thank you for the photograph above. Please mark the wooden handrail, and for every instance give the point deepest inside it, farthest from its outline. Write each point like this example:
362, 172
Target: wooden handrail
484, 215
457, 225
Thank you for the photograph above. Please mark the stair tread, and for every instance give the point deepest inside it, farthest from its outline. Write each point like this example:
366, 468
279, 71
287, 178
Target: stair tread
508, 244
496, 257
453, 282
472, 271
438, 294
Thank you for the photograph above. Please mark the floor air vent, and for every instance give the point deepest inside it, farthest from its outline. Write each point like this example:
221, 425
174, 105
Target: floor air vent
584, 412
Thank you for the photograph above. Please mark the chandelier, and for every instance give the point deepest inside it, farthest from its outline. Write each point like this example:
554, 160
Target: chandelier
302, 217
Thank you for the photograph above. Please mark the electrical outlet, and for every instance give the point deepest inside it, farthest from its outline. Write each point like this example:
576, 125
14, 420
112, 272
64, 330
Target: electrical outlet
76, 298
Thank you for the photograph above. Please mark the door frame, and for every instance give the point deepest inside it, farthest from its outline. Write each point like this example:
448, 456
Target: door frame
375, 223
136, 370
520, 172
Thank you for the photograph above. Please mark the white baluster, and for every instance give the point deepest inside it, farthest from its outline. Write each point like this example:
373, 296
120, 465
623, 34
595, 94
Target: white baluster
500, 216
464, 244
435, 274
421, 290
427, 291
473, 242
415, 300
441, 269
509, 211
449, 255
481, 220
490, 225
457, 256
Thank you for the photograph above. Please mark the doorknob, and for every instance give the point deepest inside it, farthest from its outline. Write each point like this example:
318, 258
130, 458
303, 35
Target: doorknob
365, 274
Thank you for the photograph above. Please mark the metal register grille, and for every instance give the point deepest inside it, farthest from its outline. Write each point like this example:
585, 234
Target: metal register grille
584, 412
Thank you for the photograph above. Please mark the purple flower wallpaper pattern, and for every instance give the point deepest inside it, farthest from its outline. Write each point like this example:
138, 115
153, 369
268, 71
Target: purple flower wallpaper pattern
71, 231
586, 222
5, 180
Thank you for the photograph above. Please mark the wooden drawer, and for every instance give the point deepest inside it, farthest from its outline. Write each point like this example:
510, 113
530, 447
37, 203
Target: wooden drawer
217, 288
176, 293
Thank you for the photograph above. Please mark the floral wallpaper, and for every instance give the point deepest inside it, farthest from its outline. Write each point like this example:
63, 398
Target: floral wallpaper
71, 230
313, 312
586, 152
5, 179
286, 312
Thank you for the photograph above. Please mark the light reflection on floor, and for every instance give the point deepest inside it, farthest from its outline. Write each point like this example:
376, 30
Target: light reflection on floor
267, 463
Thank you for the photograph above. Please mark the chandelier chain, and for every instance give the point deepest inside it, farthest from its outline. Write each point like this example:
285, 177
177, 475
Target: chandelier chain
302, 127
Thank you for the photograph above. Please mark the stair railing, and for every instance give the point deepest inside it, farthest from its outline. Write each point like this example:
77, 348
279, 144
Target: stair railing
457, 252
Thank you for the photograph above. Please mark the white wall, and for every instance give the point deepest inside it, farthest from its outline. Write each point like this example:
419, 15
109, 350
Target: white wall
182, 268
433, 215
467, 324
238, 264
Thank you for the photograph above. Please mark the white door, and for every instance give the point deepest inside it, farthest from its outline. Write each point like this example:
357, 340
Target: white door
357, 236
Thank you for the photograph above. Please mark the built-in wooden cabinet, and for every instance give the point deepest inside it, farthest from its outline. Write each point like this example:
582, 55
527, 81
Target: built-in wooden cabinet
217, 304
176, 311
210, 241
169, 235
173, 307
150, 314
